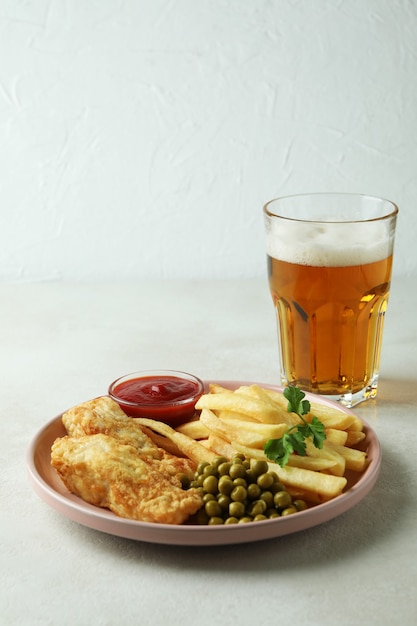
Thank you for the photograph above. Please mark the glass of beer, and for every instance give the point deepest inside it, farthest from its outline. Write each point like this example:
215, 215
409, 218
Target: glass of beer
329, 261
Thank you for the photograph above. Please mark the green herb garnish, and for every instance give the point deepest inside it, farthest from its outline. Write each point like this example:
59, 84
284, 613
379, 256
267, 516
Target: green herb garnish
293, 440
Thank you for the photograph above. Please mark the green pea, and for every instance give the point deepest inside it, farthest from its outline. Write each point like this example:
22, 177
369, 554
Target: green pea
210, 484
224, 501
300, 505
268, 498
275, 487
239, 494
282, 499
254, 491
288, 511
213, 508
236, 509
239, 481
259, 467
274, 476
265, 481
218, 461
259, 518
225, 485
250, 476
245, 519
215, 521
237, 470
258, 508
231, 520
201, 466
224, 468
210, 470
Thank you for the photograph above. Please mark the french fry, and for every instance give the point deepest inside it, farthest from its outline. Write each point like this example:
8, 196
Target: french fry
248, 433
231, 415
354, 437
239, 403
320, 487
330, 417
189, 447
336, 436
334, 418
338, 466
316, 464
163, 442
280, 407
357, 424
355, 459
263, 432
277, 397
215, 388
212, 423
194, 429
254, 391
250, 453
221, 446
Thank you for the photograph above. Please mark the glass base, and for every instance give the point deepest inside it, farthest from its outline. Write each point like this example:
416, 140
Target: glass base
349, 399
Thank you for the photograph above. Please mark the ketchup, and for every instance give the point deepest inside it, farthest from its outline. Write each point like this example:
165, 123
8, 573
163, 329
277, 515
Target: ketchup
166, 397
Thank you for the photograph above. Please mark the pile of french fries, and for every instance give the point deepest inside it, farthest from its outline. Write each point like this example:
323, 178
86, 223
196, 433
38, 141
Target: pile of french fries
243, 420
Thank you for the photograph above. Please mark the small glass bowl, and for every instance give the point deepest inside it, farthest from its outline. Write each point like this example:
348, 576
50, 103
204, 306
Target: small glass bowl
165, 395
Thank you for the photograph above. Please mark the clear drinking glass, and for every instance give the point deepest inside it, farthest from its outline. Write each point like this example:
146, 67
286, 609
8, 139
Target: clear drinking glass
329, 266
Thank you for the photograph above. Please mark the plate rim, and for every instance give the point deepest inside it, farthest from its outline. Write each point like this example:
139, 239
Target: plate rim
86, 514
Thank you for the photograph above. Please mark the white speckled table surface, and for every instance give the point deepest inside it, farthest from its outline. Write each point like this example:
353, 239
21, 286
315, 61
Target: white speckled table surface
62, 343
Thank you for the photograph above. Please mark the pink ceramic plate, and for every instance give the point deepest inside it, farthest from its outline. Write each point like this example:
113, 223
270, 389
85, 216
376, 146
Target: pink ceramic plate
49, 487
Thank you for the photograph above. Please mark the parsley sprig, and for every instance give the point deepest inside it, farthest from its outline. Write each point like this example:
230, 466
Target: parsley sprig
293, 440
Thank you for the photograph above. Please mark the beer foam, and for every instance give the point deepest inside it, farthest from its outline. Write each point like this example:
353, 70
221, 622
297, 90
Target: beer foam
328, 244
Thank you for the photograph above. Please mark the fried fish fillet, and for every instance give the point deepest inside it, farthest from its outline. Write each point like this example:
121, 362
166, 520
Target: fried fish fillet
108, 473
103, 415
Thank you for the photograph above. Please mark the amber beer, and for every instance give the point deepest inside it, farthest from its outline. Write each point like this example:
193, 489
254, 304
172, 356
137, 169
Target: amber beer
330, 297
331, 321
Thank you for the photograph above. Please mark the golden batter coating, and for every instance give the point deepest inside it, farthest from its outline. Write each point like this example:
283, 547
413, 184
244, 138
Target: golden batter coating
106, 459
108, 473
103, 415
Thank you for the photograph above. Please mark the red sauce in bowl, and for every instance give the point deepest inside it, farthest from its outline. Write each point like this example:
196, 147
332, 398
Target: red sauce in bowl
166, 395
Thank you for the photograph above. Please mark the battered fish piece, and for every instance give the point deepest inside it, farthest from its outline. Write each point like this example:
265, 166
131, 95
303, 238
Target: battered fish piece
103, 415
108, 473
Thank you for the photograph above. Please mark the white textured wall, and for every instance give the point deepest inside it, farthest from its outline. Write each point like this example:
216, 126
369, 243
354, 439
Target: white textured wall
141, 137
